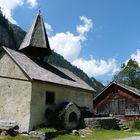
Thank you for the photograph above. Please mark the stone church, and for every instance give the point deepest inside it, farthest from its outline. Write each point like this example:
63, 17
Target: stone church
29, 85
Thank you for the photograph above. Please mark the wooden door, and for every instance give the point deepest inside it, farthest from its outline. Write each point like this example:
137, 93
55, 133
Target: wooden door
117, 106
113, 106
121, 106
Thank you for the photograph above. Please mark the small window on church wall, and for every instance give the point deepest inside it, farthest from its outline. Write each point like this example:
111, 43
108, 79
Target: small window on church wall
50, 99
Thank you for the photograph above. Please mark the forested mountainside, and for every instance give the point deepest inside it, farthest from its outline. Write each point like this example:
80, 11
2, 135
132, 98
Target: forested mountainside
6, 33
11, 36
58, 60
18, 34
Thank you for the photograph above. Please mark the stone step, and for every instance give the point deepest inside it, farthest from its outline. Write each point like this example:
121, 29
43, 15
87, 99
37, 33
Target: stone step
123, 127
119, 123
127, 130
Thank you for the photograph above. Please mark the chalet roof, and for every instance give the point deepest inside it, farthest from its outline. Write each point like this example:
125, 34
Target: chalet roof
36, 37
131, 89
48, 73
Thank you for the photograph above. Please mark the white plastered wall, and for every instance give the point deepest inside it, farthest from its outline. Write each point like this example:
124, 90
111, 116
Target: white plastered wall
15, 93
82, 98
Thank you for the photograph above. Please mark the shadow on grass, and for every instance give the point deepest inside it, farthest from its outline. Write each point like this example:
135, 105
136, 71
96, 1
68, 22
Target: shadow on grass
50, 135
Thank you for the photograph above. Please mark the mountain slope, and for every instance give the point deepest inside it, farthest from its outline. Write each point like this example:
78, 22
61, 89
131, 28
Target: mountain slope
6, 33
58, 60
17, 35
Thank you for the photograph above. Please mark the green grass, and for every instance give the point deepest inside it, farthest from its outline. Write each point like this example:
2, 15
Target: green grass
98, 134
136, 125
16, 138
49, 129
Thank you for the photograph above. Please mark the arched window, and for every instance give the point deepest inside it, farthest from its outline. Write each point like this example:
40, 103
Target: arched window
72, 117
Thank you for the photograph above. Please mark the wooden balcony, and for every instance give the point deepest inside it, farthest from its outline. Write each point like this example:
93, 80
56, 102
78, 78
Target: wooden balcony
132, 112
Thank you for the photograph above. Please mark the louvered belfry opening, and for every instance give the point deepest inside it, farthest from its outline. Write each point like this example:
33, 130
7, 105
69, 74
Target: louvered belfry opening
35, 44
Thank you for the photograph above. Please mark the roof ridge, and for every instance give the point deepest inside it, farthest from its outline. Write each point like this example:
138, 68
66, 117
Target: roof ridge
36, 72
127, 86
121, 85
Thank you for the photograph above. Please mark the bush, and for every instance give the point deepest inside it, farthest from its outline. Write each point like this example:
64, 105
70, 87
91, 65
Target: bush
136, 125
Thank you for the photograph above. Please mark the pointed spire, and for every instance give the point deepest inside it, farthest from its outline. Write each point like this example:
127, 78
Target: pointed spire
36, 41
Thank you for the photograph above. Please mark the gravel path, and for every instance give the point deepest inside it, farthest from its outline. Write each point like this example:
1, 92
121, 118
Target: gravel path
130, 138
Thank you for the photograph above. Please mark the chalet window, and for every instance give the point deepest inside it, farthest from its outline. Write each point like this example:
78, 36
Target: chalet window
50, 97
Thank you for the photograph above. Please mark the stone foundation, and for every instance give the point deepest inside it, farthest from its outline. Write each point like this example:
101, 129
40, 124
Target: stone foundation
103, 122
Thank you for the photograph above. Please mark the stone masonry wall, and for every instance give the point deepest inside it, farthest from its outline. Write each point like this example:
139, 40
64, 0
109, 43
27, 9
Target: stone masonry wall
104, 122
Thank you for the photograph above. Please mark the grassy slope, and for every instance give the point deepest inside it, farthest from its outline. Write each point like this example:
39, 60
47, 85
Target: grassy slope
98, 134
16, 138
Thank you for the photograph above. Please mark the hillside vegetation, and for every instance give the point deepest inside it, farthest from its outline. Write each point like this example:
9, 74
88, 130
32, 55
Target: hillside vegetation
11, 36
6, 33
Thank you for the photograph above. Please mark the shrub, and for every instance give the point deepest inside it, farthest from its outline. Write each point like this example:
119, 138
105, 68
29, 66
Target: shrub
136, 125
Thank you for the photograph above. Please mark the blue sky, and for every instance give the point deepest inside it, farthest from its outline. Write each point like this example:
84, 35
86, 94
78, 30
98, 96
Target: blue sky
95, 35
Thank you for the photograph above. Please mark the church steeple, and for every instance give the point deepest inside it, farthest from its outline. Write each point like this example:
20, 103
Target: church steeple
35, 43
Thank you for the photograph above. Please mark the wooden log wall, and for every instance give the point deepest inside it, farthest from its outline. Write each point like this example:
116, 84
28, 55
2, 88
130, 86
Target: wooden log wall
117, 92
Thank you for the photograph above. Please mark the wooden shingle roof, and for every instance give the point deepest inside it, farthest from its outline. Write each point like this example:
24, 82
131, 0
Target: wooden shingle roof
49, 73
128, 88
131, 89
36, 38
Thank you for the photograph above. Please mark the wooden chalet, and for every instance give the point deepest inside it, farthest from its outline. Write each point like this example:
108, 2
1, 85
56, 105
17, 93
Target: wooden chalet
118, 100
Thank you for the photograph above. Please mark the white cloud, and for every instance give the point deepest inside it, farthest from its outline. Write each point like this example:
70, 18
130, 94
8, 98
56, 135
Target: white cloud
136, 56
66, 44
86, 27
95, 68
7, 7
69, 46
32, 3
49, 28
8, 15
